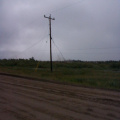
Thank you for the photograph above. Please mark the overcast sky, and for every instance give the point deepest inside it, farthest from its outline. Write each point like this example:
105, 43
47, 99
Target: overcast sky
82, 30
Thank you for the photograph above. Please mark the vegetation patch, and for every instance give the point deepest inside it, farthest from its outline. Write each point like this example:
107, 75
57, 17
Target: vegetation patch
92, 74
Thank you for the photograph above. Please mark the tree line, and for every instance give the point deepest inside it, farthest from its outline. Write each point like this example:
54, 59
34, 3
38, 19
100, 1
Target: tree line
31, 62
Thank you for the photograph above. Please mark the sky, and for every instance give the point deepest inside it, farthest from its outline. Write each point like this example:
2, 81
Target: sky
87, 30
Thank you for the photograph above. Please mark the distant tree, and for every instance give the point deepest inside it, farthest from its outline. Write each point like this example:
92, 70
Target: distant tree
32, 59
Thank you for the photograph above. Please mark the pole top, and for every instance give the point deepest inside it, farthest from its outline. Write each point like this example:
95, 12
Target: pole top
49, 17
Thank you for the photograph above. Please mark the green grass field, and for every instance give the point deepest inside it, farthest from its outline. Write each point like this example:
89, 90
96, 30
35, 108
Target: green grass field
91, 74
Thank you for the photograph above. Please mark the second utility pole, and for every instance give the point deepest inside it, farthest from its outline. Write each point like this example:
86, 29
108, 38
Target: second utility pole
50, 40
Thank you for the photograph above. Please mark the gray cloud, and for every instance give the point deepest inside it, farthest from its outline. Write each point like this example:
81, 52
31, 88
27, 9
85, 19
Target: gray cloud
81, 29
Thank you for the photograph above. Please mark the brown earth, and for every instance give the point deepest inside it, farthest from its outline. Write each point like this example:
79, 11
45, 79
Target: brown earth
22, 99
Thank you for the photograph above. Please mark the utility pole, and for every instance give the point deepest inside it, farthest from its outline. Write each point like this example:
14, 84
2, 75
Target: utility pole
50, 40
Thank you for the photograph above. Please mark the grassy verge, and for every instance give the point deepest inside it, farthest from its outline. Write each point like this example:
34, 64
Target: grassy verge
86, 76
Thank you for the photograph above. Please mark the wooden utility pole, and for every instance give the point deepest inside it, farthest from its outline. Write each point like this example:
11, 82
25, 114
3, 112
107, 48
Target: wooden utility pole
50, 40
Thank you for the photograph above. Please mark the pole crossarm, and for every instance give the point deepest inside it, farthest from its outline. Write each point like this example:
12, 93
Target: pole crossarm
49, 17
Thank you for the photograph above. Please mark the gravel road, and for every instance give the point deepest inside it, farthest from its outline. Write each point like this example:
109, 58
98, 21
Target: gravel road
23, 99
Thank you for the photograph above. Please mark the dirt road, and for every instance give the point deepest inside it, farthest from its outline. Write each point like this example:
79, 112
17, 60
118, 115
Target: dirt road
22, 99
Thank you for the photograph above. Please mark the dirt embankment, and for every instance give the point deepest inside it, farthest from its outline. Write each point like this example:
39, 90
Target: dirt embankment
22, 99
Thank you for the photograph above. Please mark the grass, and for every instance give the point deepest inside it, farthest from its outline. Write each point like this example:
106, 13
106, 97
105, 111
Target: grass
85, 74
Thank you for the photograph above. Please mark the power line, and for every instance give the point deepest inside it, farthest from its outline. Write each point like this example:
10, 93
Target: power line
32, 45
93, 53
58, 50
95, 48
35, 44
67, 6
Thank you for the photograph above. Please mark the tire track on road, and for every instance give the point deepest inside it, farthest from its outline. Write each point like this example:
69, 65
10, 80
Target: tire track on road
71, 102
